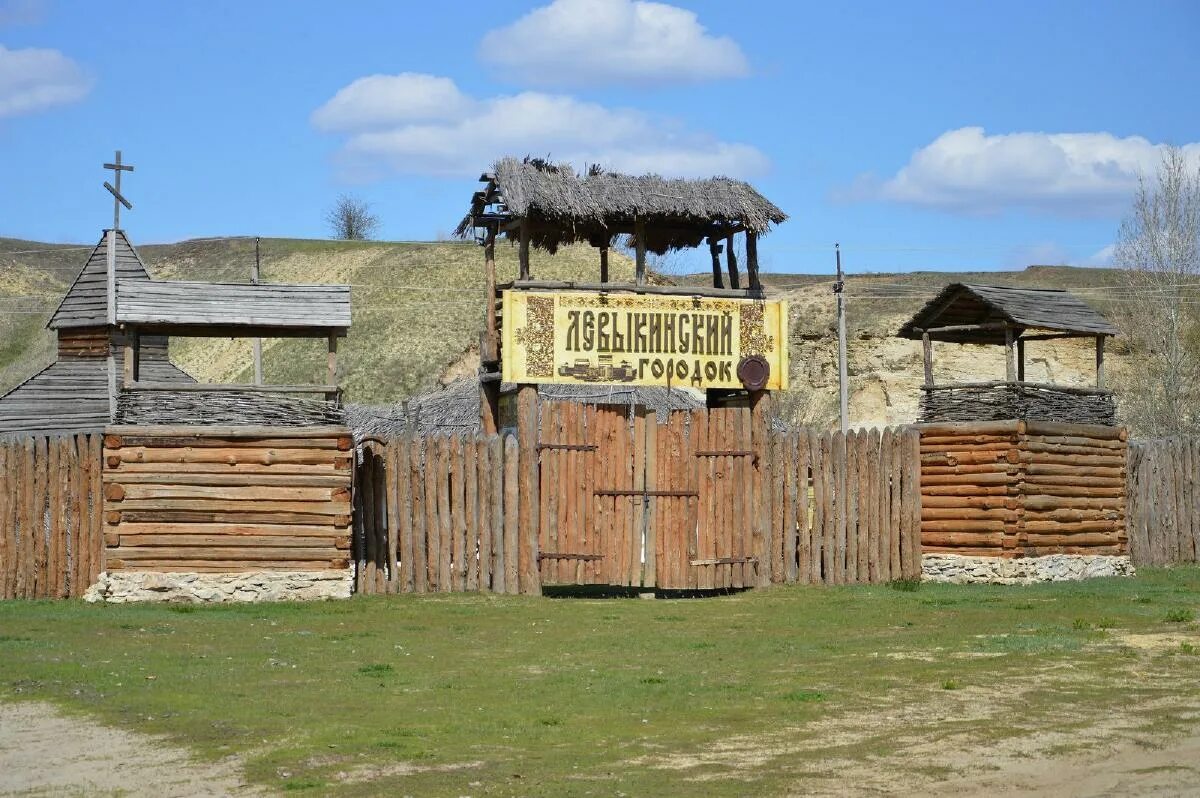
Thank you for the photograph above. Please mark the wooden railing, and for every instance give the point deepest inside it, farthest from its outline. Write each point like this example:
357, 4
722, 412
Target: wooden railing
51, 536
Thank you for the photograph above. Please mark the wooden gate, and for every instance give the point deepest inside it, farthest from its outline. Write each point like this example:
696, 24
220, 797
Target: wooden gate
628, 501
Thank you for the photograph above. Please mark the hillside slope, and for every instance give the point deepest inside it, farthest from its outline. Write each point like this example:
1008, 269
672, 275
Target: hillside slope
418, 313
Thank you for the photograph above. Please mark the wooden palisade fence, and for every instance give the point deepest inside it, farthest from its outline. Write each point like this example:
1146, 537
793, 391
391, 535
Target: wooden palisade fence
51, 539
680, 505
1164, 501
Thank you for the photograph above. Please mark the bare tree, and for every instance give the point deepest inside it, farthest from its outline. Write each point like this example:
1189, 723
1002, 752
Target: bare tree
1159, 246
351, 219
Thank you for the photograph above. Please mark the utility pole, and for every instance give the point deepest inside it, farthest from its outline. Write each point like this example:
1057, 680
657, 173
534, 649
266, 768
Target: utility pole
839, 288
254, 274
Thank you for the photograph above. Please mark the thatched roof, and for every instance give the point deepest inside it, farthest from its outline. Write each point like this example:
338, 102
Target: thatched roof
455, 408
565, 206
1023, 308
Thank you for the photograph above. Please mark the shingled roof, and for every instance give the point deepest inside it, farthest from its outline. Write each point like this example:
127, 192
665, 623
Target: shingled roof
597, 205
86, 301
1023, 308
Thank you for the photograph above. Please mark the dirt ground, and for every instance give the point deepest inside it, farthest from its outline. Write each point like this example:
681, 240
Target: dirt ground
44, 752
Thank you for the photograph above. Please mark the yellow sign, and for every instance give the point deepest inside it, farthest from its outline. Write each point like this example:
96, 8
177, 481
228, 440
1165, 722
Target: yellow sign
640, 339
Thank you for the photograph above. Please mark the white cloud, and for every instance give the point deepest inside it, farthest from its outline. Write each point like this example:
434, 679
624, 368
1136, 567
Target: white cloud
383, 101
1102, 257
969, 171
588, 42
393, 129
33, 80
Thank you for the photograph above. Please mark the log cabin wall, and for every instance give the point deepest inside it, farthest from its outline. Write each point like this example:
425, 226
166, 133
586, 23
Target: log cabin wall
227, 499
1023, 489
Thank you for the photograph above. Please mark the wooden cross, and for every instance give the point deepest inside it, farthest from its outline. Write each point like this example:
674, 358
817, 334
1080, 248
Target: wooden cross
118, 199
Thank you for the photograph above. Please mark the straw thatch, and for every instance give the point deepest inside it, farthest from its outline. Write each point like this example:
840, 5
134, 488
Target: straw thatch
565, 207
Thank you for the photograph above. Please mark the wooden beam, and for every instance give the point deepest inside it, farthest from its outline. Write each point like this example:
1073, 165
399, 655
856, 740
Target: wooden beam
953, 328
927, 346
752, 259
714, 249
229, 431
1009, 372
239, 387
640, 242
604, 263
612, 288
731, 262
1020, 360
331, 378
1055, 336
950, 386
1100, 361
524, 249
491, 347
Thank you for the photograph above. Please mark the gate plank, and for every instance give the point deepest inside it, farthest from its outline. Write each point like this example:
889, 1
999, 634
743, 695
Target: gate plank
471, 514
650, 577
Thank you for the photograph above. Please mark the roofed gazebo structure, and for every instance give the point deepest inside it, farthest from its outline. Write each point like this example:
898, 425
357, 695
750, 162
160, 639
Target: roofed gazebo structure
539, 204
1010, 317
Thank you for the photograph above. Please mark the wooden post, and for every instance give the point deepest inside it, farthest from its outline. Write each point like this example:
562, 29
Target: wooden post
523, 255
527, 434
760, 493
257, 342
489, 392
714, 249
1020, 360
731, 262
331, 379
927, 346
604, 263
639, 227
752, 260
1099, 361
1009, 373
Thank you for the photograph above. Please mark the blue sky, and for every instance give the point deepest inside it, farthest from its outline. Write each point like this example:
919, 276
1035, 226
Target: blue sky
920, 135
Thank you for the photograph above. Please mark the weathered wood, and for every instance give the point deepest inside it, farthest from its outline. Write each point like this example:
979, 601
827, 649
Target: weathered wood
512, 516
927, 353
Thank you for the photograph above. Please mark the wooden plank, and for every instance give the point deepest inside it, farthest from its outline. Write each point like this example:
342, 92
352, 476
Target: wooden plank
322, 542
496, 475
231, 493
483, 515
638, 509
912, 481
41, 510
417, 473
227, 456
62, 510
527, 427
652, 535
701, 468
6, 527
446, 521
169, 565
460, 512
512, 476
391, 459
433, 536
94, 539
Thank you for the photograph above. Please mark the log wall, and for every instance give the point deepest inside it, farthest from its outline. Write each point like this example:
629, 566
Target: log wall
1023, 489
51, 544
227, 499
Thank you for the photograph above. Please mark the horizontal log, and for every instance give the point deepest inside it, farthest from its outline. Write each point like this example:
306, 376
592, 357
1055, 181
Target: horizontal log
1097, 431
985, 468
248, 454
961, 526
226, 431
968, 428
954, 449
225, 566
1041, 502
324, 543
1060, 527
1046, 458
1041, 551
199, 553
182, 516
1073, 515
967, 514
1074, 539
1060, 470
969, 551
1060, 449
1074, 440
113, 464
342, 444
1068, 491
1075, 480
965, 479
970, 458
965, 441
260, 530
249, 492
230, 506
968, 490
237, 479
949, 539
984, 502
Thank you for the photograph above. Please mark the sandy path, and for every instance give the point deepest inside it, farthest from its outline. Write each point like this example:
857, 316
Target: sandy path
43, 752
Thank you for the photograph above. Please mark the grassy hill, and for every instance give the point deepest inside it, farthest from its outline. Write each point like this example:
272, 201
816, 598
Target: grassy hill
418, 313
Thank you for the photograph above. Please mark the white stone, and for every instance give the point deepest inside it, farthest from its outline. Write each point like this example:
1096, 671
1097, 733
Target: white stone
960, 569
125, 586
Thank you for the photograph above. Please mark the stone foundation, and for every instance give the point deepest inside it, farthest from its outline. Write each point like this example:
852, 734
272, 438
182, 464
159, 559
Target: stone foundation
205, 588
958, 569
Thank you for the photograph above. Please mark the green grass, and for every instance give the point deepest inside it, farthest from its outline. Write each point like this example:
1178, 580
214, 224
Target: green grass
489, 695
